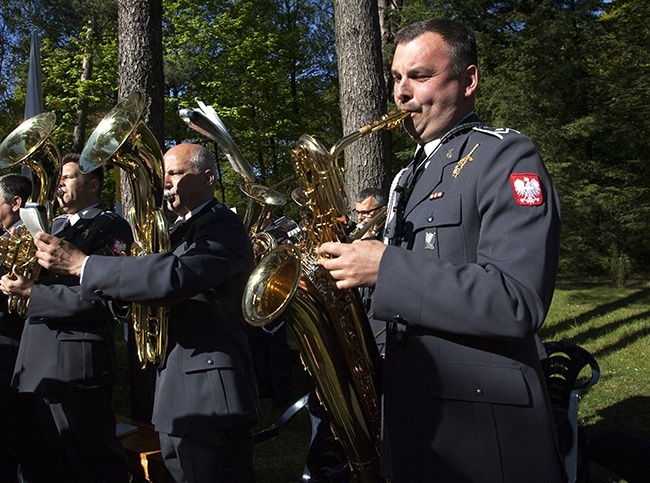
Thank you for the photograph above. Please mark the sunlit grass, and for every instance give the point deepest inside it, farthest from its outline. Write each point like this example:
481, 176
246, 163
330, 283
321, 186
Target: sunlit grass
613, 324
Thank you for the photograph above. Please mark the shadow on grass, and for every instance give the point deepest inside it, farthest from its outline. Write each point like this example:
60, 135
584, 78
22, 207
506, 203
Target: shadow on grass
631, 415
583, 321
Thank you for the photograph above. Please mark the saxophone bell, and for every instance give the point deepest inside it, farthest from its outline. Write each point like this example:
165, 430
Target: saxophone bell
330, 325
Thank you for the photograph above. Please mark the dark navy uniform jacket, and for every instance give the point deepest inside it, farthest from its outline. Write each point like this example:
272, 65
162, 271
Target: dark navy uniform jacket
68, 343
208, 381
465, 288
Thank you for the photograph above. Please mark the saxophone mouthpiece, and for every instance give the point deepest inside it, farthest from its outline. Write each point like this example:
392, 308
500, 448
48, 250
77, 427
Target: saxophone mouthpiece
167, 195
59, 193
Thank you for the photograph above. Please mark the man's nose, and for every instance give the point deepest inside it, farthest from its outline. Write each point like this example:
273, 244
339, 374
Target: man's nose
402, 90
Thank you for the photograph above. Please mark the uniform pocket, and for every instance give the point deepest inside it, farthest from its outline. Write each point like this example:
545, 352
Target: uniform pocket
487, 383
84, 357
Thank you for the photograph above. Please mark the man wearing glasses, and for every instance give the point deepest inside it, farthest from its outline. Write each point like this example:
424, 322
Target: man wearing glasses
367, 204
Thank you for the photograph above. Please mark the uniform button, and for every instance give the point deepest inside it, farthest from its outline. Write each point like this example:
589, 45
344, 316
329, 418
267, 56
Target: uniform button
210, 361
430, 218
399, 319
479, 392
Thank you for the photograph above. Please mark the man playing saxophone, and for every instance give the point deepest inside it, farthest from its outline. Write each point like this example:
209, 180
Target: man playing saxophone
464, 280
66, 355
206, 399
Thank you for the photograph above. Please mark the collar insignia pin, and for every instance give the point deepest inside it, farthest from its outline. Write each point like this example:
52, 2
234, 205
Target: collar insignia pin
461, 164
450, 153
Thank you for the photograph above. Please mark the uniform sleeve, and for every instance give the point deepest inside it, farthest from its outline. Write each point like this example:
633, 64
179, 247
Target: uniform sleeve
506, 290
63, 302
219, 249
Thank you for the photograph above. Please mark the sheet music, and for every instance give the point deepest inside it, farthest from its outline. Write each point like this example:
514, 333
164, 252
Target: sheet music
34, 218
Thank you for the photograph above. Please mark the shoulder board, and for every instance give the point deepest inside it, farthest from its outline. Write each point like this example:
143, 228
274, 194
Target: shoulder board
498, 132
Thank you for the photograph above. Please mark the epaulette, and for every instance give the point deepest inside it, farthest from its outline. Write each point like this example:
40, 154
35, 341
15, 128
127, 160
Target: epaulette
498, 132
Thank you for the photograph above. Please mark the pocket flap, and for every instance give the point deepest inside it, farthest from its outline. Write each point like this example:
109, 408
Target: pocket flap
79, 336
481, 383
205, 361
438, 212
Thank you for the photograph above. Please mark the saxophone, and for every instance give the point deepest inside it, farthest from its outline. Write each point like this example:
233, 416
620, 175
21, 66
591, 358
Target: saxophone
31, 145
123, 138
330, 325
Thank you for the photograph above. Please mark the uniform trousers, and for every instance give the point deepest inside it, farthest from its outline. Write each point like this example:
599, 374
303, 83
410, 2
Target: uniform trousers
217, 456
22, 449
81, 437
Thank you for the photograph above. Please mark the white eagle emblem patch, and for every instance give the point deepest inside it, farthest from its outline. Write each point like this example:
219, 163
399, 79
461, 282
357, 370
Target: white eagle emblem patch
527, 189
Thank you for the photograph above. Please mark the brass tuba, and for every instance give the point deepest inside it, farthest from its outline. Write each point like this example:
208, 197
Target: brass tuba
330, 325
260, 198
31, 145
122, 138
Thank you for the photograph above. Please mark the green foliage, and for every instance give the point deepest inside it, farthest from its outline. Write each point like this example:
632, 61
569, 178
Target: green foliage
619, 266
267, 69
573, 76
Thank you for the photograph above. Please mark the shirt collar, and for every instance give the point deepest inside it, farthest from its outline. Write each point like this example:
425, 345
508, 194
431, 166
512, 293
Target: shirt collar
79, 214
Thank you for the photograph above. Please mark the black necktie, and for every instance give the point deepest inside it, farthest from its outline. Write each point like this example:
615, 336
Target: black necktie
178, 231
418, 169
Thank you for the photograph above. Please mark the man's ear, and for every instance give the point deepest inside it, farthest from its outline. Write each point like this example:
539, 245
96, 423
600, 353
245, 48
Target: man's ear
94, 185
471, 80
16, 203
209, 178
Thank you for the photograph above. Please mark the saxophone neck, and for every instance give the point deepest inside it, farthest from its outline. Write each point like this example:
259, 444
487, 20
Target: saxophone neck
388, 121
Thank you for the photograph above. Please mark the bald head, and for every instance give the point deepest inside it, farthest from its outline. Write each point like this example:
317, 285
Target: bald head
189, 177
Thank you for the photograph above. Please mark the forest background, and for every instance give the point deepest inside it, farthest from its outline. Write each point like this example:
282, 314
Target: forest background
572, 75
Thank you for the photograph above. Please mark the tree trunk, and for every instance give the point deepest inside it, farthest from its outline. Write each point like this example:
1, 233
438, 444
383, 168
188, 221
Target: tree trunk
79, 134
140, 69
362, 92
389, 25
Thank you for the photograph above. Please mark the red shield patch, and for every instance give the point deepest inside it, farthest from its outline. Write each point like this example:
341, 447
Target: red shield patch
527, 189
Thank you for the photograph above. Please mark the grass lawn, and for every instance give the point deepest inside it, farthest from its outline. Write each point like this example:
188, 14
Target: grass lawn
612, 323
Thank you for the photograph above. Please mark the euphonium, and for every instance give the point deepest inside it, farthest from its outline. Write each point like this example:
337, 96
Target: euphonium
30, 144
330, 325
122, 138
260, 198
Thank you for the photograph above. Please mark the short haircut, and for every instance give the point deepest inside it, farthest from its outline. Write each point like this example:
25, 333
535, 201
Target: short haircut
97, 173
460, 40
376, 193
201, 160
14, 184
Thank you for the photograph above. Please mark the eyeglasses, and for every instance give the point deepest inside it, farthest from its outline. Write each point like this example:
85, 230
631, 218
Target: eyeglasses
367, 212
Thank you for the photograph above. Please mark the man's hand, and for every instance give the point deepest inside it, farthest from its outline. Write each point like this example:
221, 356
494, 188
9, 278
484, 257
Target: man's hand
58, 255
352, 264
14, 284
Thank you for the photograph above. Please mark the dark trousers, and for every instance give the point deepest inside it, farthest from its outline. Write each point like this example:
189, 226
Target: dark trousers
81, 437
217, 456
272, 361
22, 450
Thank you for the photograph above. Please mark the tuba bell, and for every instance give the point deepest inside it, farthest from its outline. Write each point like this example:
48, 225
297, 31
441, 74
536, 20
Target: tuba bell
330, 325
31, 145
261, 199
123, 139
